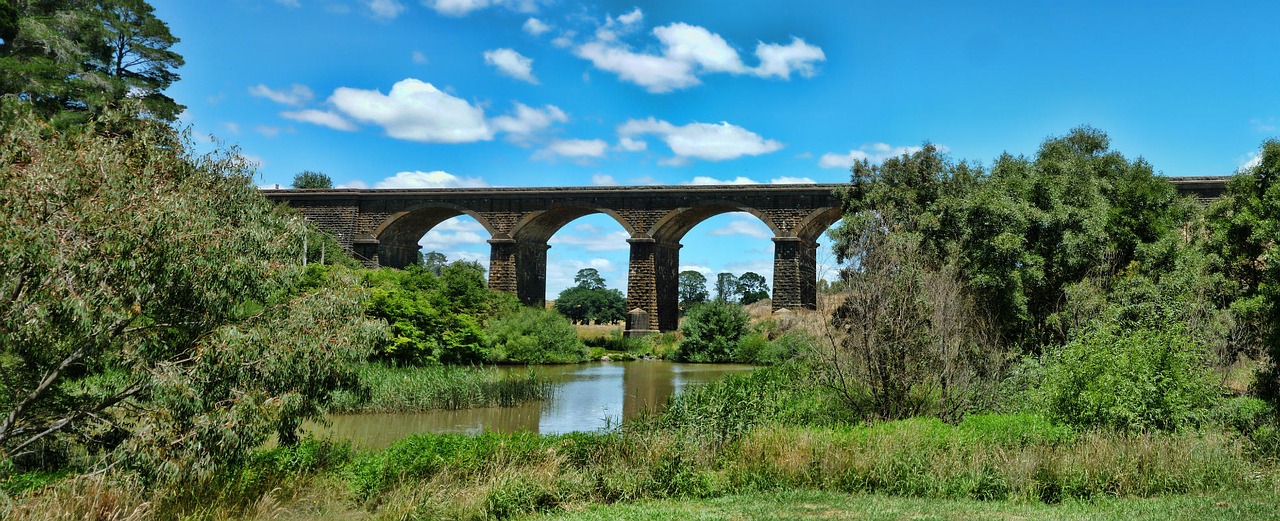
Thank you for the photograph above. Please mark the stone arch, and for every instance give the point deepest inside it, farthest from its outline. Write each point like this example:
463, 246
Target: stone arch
528, 247
673, 226
812, 226
538, 226
398, 235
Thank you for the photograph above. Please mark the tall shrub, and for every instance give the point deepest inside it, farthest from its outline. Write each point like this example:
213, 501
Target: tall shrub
712, 332
1138, 380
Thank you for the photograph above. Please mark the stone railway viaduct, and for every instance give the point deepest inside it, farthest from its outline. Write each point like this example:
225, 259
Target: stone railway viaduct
383, 227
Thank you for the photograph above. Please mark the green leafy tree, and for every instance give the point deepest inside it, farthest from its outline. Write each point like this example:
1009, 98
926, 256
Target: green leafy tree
753, 287
727, 288
434, 319
74, 58
711, 333
155, 310
434, 261
589, 278
534, 336
308, 179
590, 300
1246, 234
693, 289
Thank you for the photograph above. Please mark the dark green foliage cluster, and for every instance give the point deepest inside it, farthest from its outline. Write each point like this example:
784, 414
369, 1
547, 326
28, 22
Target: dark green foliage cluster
711, 332
1078, 246
533, 336
73, 59
308, 179
434, 319
1135, 380
590, 301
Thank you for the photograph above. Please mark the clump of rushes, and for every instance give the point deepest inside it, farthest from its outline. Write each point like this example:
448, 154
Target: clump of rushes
408, 389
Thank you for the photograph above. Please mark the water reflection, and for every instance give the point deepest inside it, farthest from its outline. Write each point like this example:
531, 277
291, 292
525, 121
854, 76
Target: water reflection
587, 397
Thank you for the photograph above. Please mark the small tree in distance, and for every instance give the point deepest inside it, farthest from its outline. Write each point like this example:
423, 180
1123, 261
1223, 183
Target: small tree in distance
308, 179
693, 289
753, 287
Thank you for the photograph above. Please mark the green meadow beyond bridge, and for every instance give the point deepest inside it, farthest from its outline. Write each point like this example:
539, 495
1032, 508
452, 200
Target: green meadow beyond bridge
382, 227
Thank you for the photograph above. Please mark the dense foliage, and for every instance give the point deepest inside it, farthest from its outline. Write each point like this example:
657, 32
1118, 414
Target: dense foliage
155, 310
711, 333
591, 301
71, 59
434, 319
534, 336
309, 179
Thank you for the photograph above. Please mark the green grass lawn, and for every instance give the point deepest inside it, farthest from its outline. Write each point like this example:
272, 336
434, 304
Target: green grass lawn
828, 505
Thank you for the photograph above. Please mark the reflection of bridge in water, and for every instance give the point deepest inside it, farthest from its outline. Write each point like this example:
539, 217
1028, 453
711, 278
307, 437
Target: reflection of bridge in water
383, 228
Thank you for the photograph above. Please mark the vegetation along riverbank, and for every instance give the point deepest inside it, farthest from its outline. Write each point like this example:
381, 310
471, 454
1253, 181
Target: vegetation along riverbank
1054, 335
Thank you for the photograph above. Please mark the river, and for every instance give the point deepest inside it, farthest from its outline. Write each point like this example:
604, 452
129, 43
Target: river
587, 397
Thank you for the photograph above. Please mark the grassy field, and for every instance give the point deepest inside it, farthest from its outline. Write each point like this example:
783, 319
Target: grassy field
831, 505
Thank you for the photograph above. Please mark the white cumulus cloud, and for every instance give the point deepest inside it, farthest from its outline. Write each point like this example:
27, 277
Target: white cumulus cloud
740, 227
416, 111
592, 239
788, 180
707, 180
781, 60
296, 95
511, 63
574, 148
603, 180
711, 142
535, 26
466, 7
526, 120
688, 51
433, 179
320, 117
873, 152
384, 9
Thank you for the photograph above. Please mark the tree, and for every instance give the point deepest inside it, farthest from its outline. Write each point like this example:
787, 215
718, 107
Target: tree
727, 288
74, 58
693, 289
591, 301
134, 50
753, 287
434, 261
711, 333
589, 278
913, 342
308, 179
1246, 227
155, 310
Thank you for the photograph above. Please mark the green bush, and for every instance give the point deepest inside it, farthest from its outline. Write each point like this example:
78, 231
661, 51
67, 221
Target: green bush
1130, 381
712, 333
434, 319
534, 336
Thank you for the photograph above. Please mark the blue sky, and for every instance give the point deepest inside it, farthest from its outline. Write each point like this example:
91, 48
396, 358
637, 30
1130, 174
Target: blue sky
393, 93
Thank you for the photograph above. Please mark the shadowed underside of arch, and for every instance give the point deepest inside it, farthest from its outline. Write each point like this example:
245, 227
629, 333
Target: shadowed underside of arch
398, 235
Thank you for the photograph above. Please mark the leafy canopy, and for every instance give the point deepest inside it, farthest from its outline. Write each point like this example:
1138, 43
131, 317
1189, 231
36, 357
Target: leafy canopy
155, 310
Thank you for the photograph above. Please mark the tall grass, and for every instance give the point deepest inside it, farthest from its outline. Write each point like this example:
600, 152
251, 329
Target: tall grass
407, 389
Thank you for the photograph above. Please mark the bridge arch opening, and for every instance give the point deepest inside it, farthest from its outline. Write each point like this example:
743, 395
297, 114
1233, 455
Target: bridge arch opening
591, 242
399, 238
550, 246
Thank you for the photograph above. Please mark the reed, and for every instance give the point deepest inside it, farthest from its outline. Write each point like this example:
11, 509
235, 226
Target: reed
409, 389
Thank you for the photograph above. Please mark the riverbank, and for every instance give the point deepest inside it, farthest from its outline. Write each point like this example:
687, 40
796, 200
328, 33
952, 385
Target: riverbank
893, 468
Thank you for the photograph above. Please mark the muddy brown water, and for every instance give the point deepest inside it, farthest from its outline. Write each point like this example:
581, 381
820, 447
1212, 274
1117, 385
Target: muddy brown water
587, 397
